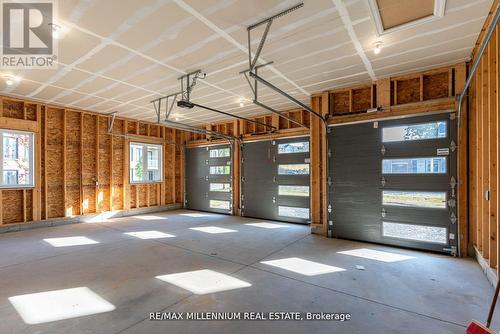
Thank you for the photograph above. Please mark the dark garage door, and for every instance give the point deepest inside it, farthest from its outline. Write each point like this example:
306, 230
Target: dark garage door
275, 180
394, 182
208, 179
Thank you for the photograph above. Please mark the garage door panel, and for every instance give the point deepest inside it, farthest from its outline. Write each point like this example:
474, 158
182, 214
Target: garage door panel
392, 182
267, 165
199, 195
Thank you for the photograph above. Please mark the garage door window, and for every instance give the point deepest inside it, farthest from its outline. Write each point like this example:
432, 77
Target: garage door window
17, 167
220, 187
220, 153
291, 211
423, 233
414, 199
293, 169
431, 165
145, 163
222, 205
433, 130
298, 147
220, 170
293, 191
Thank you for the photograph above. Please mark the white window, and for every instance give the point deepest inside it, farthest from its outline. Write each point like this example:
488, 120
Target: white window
220, 153
298, 147
145, 163
17, 156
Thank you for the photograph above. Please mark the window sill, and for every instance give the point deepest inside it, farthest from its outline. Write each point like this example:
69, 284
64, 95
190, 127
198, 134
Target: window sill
145, 182
17, 187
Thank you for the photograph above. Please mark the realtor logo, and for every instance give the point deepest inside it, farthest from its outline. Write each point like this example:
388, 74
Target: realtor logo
27, 38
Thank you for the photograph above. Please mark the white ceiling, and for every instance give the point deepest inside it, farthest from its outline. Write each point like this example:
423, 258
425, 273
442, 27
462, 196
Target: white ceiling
120, 54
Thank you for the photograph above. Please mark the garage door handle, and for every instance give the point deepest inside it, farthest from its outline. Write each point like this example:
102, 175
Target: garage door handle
383, 213
382, 181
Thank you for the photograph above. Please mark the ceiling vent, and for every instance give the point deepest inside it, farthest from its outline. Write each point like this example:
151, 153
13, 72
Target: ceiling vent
395, 15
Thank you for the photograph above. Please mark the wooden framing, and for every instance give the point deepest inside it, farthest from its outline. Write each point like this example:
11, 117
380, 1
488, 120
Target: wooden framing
483, 117
72, 151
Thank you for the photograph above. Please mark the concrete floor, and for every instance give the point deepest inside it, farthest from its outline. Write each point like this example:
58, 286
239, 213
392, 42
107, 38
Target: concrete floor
426, 293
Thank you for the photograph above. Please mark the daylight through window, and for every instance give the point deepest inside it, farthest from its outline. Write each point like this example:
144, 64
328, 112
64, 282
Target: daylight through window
145, 163
17, 158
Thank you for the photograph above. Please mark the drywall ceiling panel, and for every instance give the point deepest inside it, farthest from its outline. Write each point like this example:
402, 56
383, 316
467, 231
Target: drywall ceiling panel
24, 88
191, 35
71, 79
132, 66
197, 55
68, 99
163, 24
417, 64
115, 90
40, 75
75, 45
97, 18
90, 101
133, 95
93, 85
464, 44
103, 58
48, 93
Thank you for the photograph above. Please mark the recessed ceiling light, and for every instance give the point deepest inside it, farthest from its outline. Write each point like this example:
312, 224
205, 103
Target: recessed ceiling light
378, 47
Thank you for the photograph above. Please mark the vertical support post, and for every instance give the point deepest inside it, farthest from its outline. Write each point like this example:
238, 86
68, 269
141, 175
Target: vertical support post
97, 203
37, 199
463, 237
46, 187
64, 162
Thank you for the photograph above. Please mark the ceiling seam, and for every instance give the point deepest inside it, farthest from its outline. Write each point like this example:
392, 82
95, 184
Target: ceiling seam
230, 39
346, 20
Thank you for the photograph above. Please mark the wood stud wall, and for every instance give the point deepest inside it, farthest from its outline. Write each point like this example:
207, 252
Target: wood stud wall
484, 106
80, 168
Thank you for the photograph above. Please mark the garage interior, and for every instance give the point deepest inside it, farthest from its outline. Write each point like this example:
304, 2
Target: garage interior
253, 157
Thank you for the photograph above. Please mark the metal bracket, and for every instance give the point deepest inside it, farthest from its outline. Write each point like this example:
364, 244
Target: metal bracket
383, 213
453, 146
453, 218
383, 150
453, 184
383, 181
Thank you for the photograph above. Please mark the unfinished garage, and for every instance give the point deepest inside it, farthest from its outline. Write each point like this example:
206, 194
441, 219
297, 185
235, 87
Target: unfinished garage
231, 166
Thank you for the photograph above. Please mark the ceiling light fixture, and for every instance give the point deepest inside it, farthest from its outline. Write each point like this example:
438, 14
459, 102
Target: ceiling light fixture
378, 47
56, 30
242, 104
11, 79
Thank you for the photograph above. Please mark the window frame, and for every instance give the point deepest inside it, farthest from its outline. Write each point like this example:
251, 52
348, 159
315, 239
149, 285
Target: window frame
32, 157
145, 158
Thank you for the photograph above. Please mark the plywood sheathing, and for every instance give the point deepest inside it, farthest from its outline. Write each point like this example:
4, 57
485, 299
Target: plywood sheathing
73, 152
484, 108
